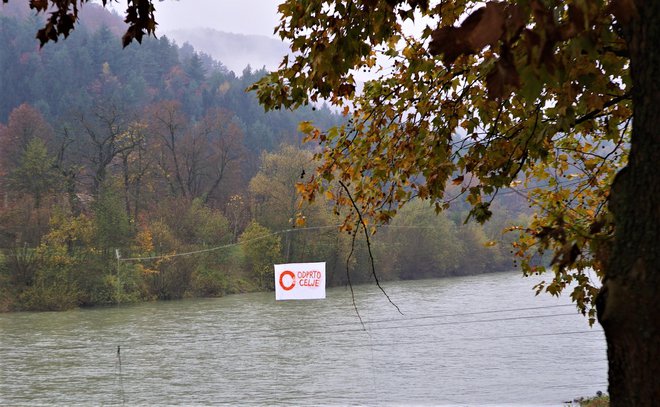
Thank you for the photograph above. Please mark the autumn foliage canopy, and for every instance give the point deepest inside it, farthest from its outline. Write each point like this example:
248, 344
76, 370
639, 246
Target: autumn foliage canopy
527, 96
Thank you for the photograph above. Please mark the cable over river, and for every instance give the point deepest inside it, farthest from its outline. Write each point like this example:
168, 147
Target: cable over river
481, 340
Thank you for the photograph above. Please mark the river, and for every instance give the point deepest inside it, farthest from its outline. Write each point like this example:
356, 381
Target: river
480, 340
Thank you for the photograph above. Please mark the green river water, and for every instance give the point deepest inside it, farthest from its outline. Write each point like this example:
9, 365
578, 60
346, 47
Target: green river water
482, 340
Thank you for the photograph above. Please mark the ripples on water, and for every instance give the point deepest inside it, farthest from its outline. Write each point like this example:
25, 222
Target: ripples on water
248, 349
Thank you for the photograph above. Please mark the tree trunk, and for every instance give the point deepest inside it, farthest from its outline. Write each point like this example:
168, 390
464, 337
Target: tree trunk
629, 303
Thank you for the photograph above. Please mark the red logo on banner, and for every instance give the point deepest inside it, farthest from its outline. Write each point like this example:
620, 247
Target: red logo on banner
293, 280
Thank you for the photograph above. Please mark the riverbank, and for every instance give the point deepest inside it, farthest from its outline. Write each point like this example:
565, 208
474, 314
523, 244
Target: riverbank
187, 250
53, 279
600, 400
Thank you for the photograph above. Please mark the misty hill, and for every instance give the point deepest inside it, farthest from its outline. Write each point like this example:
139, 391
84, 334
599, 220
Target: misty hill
235, 51
64, 77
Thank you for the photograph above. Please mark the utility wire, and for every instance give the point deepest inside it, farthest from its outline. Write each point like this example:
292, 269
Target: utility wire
166, 256
283, 331
404, 326
422, 317
226, 246
484, 338
367, 323
211, 249
461, 314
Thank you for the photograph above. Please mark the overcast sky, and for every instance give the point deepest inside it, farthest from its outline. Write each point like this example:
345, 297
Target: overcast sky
237, 16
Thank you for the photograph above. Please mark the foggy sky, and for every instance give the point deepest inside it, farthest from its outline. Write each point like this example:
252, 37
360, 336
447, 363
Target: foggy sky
257, 17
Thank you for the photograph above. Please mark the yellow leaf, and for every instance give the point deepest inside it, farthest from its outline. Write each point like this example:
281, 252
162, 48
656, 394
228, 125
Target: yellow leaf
305, 127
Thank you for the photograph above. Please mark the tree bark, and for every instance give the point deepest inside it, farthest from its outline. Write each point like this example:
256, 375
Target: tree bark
629, 303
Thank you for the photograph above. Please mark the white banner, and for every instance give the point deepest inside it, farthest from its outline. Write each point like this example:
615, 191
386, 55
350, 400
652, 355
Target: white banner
299, 281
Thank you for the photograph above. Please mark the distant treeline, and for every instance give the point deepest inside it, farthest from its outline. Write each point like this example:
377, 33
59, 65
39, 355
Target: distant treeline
90, 68
155, 151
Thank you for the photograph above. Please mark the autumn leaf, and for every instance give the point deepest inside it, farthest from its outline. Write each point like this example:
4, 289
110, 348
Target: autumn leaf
485, 26
488, 26
345, 89
305, 127
503, 78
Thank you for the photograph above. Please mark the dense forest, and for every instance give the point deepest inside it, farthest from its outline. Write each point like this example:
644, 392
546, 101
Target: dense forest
109, 156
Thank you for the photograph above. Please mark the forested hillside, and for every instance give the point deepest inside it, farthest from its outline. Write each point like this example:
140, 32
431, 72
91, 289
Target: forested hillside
155, 150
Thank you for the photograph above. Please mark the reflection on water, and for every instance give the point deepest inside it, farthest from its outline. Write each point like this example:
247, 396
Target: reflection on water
474, 340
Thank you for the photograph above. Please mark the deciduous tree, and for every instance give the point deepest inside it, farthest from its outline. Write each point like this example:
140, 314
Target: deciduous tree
166, 128
273, 189
110, 133
25, 124
489, 94
222, 148
194, 159
36, 174
26, 127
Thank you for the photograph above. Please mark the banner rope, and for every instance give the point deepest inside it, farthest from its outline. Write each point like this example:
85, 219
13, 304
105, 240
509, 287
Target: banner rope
280, 232
211, 249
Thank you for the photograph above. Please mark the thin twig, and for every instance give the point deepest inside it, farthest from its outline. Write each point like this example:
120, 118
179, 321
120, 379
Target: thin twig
366, 235
350, 285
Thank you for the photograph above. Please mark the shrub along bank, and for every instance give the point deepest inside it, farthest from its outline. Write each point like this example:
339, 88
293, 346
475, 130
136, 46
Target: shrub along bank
190, 250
